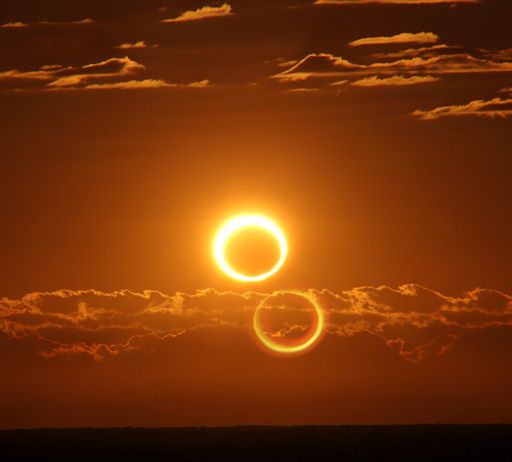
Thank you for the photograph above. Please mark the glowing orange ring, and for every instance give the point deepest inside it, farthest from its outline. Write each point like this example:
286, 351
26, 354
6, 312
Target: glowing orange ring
232, 227
308, 343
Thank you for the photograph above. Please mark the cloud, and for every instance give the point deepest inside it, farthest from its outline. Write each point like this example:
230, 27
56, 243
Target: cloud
281, 61
199, 84
317, 64
406, 67
103, 75
405, 37
69, 81
302, 90
425, 52
202, 13
14, 74
112, 67
395, 80
396, 2
14, 25
503, 55
327, 66
21, 24
61, 76
457, 63
143, 84
413, 320
134, 45
494, 108
338, 83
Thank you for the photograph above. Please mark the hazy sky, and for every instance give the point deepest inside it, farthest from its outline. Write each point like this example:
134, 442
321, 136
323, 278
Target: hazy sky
377, 133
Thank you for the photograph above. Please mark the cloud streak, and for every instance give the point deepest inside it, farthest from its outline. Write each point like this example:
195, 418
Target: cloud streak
24, 25
394, 81
326, 65
144, 84
103, 75
403, 67
394, 2
404, 37
493, 108
413, 320
206, 12
133, 45
63, 76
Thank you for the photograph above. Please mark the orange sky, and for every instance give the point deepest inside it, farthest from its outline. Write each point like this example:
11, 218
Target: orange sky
377, 134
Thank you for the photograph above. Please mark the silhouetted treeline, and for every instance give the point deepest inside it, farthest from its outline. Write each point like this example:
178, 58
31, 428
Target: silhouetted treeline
315, 443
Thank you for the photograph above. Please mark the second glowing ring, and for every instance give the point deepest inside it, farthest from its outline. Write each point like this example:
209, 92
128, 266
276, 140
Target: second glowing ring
310, 341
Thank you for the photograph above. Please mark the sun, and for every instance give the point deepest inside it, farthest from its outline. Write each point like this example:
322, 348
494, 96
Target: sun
239, 223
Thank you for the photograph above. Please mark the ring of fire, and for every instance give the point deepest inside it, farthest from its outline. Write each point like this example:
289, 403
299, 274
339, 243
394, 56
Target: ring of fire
232, 227
276, 347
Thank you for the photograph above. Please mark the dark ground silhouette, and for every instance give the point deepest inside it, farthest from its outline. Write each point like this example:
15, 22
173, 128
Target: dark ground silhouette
316, 443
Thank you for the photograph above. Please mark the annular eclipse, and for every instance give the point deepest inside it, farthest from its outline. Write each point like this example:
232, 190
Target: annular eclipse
254, 221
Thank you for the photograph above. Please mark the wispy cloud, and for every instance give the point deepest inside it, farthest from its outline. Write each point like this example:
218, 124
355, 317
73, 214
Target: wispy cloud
61, 76
411, 319
22, 24
14, 74
405, 37
406, 67
424, 52
493, 108
329, 66
144, 84
133, 45
205, 12
302, 90
395, 80
112, 67
396, 2
14, 25
103, 75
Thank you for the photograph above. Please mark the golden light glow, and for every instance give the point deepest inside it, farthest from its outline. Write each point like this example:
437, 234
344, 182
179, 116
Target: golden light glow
277, 347
229, 229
